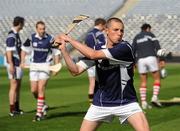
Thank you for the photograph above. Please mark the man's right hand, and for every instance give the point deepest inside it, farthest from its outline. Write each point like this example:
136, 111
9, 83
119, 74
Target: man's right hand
61, 46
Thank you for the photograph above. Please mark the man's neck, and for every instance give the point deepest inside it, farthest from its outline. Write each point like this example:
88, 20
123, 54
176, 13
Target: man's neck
97, 27
15, 29
109, 44
40, 36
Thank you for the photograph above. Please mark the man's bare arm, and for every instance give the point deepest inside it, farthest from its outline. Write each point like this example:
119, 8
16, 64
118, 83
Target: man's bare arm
72, 67
9, 56
85, 50
23, 55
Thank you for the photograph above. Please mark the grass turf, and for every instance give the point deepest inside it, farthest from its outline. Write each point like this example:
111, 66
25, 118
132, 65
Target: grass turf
67, 98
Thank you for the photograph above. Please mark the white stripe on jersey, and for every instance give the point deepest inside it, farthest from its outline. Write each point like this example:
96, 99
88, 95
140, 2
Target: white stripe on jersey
11, 48
124, 77
11, 35
26, 49
82, 64
85, 64
131, 50
146, 39
115, 61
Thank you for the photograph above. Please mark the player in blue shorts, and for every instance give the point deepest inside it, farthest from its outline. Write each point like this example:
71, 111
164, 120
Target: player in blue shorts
114, 90
42, 53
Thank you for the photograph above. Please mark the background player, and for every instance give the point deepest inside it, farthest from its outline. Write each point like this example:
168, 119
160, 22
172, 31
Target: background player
145, 46
39, 45
114, 91
95, 38
13, 51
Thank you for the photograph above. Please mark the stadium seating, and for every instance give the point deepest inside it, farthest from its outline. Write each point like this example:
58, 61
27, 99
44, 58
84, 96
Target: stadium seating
158, 7
57, 14
163, 15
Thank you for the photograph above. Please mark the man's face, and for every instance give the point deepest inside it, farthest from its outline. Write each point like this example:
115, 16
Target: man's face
115, 32
41, 29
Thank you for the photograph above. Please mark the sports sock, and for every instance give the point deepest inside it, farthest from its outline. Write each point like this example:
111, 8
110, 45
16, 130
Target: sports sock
143, 91
156, 88
40, 104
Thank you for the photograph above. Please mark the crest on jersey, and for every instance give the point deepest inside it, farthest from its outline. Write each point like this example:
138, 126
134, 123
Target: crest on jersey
35, 44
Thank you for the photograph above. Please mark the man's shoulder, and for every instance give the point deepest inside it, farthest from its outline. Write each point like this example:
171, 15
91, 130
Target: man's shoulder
140, 34
126, 43
92, 31
33, 35
151, 34
145, 33
48, 35
11, 34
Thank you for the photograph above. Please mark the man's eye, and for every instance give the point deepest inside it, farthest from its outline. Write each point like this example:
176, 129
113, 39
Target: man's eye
122, 31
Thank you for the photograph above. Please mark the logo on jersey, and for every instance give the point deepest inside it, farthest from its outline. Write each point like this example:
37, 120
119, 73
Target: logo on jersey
35, 44
105, 65
40, 42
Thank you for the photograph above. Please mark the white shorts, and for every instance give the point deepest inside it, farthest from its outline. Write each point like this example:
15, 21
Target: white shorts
148, 64
106, 114
36, 74
18, 73
91, 72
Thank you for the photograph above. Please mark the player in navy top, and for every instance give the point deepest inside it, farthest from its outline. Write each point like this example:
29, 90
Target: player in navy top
13, 51
146, 46
95, 37
42, 53
114, 91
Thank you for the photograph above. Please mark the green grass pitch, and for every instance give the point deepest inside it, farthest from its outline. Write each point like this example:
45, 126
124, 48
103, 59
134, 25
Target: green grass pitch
67, 98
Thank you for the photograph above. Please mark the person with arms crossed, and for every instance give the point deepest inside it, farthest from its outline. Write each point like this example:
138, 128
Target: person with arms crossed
13, 56
114, 91
39, 46
145, 46
95, 37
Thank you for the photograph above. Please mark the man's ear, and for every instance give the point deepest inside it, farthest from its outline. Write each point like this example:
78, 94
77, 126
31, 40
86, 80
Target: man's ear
148, 29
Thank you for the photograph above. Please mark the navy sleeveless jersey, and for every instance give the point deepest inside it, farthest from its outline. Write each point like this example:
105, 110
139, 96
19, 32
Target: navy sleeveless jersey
13, 43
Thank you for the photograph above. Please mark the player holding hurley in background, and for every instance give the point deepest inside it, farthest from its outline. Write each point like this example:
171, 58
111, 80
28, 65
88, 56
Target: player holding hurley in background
42, 53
